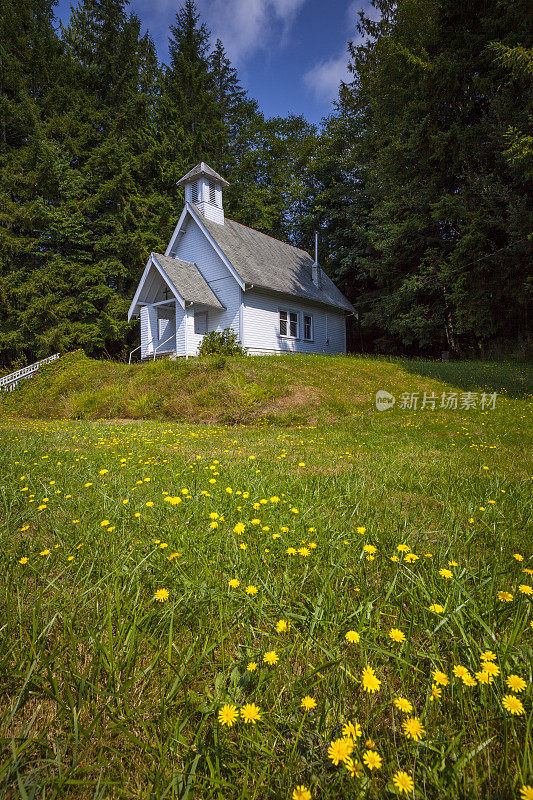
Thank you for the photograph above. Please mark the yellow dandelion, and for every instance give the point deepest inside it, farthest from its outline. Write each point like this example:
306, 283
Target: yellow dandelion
413, 728
505, 597
403, 782
526, 793
440, 678
251, 590
282, 626
271, 657
436, 608
301, 793
516, 683
369, 680
354, 767
308, 703
396, 635
228, 715
525, 589
352, 730
161, 595
352, 637
403, 705
250, 713
372, 759
252, 666
512, 704
446, 573
340, 749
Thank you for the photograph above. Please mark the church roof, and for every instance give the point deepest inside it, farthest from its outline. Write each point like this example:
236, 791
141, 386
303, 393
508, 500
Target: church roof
271, 264
202, 169
189, 281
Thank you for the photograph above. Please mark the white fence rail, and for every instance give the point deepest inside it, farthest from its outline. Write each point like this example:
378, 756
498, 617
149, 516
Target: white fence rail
9, 382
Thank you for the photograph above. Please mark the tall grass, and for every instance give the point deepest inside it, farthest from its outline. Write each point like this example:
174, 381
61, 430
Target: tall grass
108, 692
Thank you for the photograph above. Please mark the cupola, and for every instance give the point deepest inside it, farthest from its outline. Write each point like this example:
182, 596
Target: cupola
203, 188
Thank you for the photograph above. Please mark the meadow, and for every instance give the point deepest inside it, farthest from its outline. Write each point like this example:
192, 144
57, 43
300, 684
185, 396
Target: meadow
302, 597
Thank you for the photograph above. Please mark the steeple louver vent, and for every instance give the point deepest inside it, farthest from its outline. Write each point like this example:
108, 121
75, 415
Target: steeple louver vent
203, 187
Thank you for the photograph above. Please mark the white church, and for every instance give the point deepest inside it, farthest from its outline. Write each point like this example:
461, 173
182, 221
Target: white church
218, 274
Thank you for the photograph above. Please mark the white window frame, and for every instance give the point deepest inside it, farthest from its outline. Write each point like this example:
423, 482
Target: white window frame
212, 193
197, 315
288, 313
193, 192
311, 337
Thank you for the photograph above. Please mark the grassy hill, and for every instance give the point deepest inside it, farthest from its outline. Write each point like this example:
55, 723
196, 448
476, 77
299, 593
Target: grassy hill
286, 389
343, 601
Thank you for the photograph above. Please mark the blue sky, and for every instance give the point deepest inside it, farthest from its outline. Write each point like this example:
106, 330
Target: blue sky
290, 54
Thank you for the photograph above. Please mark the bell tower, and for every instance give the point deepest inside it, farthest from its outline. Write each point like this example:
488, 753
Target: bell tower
203, 188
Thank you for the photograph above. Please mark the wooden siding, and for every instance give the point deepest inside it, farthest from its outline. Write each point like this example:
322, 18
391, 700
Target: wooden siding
194, 246
261, 326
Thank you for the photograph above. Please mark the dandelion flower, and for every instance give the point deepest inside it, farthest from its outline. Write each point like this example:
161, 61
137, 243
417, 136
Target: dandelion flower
234, 583
372, 759
446, 573
239, 528
45, 552
525, 589
23, 560
250, 713
301, 793
353, 637
252, 666
340, 749
437, 609
308, 703
251, 590
516, 683
352, 730
403, 705
410, 558
354, 767
403, 782
361, 530
413, 728
396, 635
282, 626
518, 557
488, 655
512, 704
459, 671
228, 715
369, 680
505, 597
440, 678
370, 549
436, 692
271, 657
403, 548
161, 595
491, 668
526, 793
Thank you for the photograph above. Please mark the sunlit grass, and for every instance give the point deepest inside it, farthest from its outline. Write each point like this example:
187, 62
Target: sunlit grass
411, 522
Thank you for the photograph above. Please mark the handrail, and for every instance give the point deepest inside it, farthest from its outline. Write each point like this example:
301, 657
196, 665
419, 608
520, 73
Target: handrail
10, 381
162, 343
132, 352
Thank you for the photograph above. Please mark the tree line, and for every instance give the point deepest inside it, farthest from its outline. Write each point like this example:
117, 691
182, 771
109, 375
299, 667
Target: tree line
419, 181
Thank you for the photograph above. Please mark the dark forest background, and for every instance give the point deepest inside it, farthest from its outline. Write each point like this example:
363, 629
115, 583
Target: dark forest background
419, 181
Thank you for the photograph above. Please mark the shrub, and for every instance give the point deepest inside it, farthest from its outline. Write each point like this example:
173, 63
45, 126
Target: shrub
221, 343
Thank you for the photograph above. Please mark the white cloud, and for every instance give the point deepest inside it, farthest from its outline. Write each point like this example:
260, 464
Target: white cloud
324, 78
246, 26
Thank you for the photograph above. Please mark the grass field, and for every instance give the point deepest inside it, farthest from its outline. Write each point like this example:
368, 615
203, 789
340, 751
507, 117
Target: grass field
327, 602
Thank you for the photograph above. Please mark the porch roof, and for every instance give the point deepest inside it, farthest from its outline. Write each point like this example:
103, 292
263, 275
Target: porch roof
188, 281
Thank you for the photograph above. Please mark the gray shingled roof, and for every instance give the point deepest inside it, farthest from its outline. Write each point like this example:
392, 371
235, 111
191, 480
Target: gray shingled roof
189, 281
270, 264
202, 169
